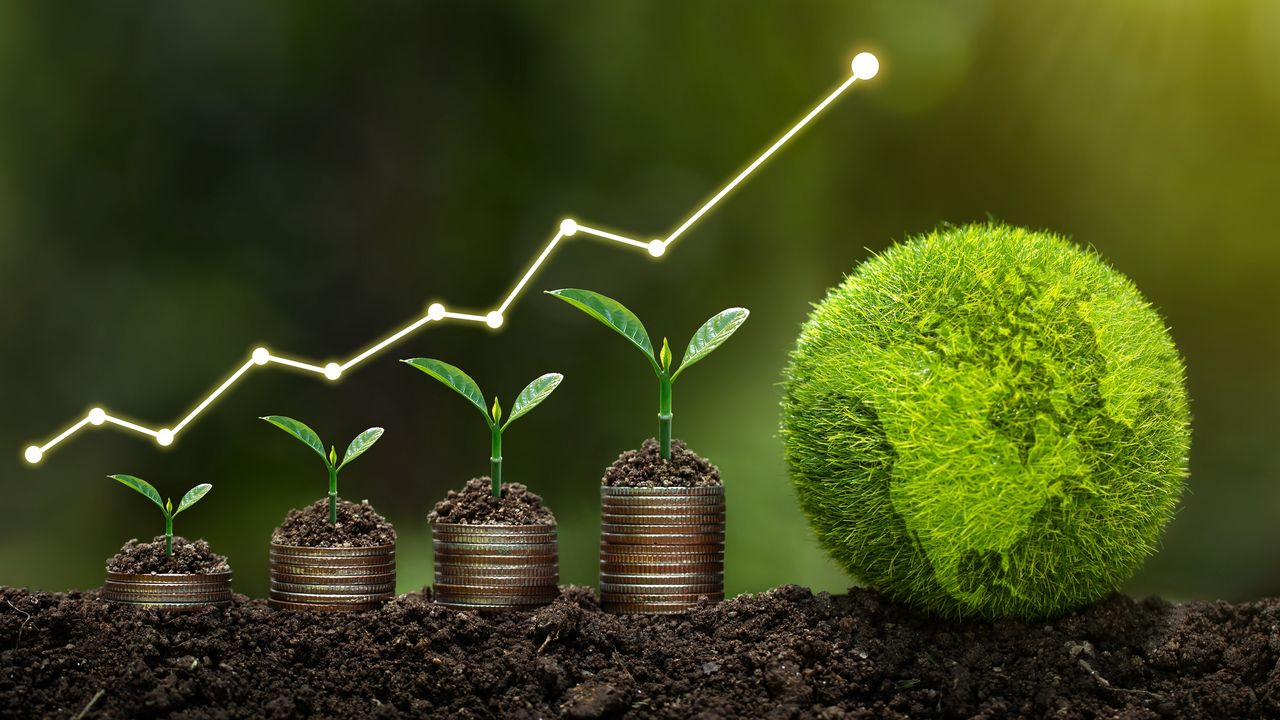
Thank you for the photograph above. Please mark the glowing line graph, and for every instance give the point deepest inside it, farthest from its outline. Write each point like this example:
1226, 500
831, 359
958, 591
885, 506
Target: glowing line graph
864, 67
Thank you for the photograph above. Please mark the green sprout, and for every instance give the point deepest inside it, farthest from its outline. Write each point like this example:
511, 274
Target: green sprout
458, 381
144, 488
362, 442
710, 336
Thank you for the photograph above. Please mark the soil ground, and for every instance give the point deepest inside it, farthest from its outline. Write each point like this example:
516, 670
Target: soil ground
149, 557
782, 654
476, 505
646, 468
358, 526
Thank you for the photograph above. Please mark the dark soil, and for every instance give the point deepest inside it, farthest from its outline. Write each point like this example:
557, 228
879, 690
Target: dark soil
476, 505
148, 557
358, 526
646, 468
785, 653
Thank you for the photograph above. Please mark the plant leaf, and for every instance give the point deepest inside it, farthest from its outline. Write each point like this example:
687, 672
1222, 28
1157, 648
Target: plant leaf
333, 455
613, 314
533, 394
299, 431
712, 335
496, 410
664, 355
455, 379
142, 486
168, 507
362, 442
193, 496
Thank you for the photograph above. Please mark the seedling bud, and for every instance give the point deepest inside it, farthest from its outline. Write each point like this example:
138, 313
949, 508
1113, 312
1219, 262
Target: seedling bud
458, 381
301, 432
145, 489
617, 317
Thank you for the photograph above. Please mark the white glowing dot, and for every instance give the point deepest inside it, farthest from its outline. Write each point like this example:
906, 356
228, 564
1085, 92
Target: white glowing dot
435, 311
97, 416
568, 227
657, 247
261, 356
165, 437
33, 454
865, 66
333, 371
493, 319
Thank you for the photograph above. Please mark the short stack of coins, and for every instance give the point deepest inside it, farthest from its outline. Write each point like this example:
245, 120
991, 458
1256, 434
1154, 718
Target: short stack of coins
495, 567
168, 591
337, 579
661, 549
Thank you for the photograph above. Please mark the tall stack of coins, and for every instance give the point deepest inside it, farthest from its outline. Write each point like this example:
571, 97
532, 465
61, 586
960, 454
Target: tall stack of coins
168, 591
495, 567
661, 549
338, 579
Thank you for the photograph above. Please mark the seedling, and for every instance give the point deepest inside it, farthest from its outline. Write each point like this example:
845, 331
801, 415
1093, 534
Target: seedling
191, 498
710, 336
362, 442
529, 398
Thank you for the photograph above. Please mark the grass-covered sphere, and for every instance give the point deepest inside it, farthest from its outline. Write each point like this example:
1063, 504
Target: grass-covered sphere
987, 421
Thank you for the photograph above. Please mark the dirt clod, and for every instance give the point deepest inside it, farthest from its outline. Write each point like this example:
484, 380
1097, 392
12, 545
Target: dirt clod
646, 468
358, 526
476, 505
784, 653
149, 557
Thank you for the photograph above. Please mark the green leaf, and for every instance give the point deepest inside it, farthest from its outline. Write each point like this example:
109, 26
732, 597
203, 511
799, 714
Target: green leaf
533, 394
333, 455
496, 410
362, 442
611, 313
142, 486
455, 379
168, 507
193, 496
664, 356
299, 431
712, 335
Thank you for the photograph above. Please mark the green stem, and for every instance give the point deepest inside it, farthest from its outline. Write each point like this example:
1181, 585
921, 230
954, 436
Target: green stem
664, 414
168, 535
495, 458
333, 495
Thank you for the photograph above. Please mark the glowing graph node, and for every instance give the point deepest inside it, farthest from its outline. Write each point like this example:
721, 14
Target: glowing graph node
863, 67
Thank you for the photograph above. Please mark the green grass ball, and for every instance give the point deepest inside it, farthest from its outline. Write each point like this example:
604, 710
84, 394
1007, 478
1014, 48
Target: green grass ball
987, 421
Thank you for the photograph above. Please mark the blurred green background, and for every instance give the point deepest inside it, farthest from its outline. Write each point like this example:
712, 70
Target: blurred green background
180, 182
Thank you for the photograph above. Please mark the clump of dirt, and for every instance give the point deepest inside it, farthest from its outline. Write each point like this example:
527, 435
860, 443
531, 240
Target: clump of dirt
786, 653
141, 558
476, 505
646, 468
358, 526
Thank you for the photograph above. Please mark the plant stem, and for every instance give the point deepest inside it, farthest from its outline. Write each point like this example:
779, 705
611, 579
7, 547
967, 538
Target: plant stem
333, 495
664, 414
168, 535
495, 459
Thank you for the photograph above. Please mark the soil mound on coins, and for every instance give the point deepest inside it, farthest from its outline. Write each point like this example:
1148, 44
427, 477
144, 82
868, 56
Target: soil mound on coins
141, 558
476, 505
358, 526
646, 468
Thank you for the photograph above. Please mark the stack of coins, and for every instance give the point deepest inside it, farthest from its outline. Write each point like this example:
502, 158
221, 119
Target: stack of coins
338, 579
661, 549
168, 591
495, 567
